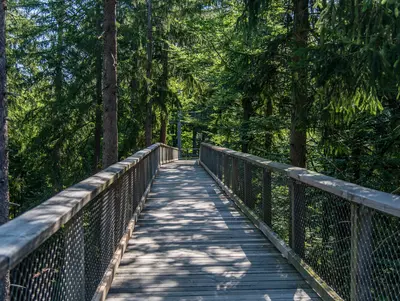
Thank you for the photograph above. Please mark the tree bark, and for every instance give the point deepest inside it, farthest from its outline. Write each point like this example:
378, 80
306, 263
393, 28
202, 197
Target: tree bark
268, 133
164, 89
163, 130
247, 112
300, 102
58, 90
110, 126
149, 105
194, 138
4, 195
98, 99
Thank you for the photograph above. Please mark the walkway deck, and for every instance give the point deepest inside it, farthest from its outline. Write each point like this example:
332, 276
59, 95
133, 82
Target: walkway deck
191, 243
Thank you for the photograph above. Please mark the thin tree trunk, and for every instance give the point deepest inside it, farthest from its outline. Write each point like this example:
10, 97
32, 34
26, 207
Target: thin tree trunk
194, 138
149, 105
163, 130
58, 90
247, 112
98, 99
4, 196
300, 105
110, 126
268, 133
164, 90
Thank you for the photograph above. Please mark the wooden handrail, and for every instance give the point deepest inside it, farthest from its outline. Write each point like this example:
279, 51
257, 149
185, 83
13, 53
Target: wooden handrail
378, 200
24, 234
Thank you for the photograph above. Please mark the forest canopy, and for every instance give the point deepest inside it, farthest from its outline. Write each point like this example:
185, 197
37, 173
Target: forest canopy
310, 82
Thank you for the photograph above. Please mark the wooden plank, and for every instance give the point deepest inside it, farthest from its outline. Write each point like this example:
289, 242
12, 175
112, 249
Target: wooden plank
252, 256
210, 271
199, 233
210, 248
268, 294
223, 214
172, 285
186, 228
188, 240
201, 280
242, 265
232, 297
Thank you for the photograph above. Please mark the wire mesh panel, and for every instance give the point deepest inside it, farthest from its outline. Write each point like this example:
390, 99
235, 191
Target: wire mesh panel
280, 199
375, 255
55, 271
255, 186
71, 263
322, 234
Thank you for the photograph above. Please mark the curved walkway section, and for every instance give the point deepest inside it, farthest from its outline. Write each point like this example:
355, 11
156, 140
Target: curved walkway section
191, 243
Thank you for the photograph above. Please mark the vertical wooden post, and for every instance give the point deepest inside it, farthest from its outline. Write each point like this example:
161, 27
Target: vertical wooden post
141, 179
219, 164
267, 197
248, 186
361, 253
234, 175
298, 212
226, 170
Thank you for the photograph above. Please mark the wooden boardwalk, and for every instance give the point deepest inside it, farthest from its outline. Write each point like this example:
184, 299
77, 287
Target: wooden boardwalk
191, 243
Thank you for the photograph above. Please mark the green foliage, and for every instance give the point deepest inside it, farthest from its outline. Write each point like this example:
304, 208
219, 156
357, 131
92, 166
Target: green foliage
226, 65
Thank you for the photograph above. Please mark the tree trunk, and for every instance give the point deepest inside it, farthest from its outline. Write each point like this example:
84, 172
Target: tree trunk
194, 138
164, 90
163, 130
268, 133
58, 90
4, 196
110, 126
300, 105
98, 99
149, 105
247, 112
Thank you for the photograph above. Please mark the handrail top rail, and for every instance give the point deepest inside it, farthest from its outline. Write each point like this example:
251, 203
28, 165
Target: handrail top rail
22, 235
375, 199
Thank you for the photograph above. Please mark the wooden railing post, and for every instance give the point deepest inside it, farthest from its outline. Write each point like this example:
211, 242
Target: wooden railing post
219, 165
361, 253
298, 211
267, 197
234, 175
247, 187
226, 170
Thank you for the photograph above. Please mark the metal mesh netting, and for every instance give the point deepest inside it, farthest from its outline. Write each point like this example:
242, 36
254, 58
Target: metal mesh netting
322, 234
254, 188
354, 249
280, 208
72, 262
